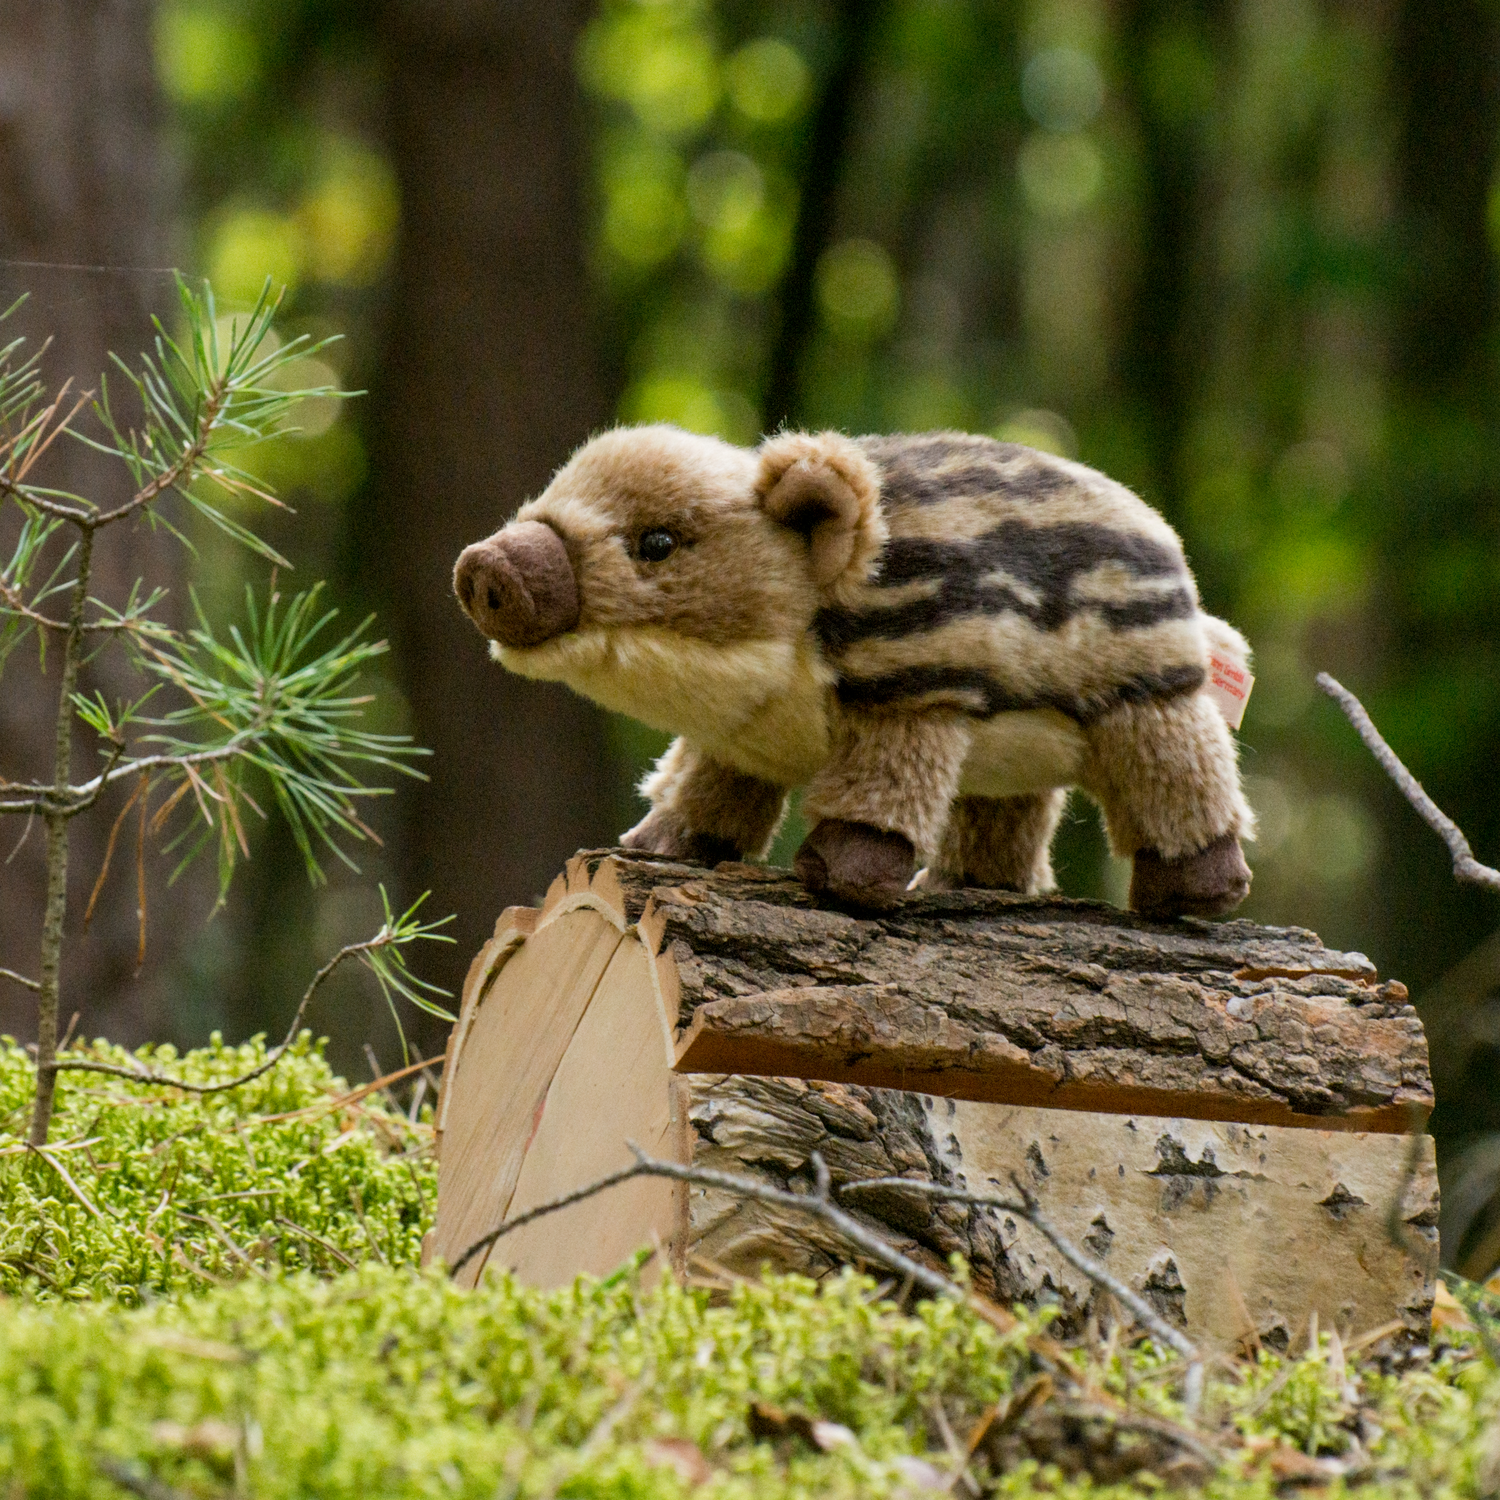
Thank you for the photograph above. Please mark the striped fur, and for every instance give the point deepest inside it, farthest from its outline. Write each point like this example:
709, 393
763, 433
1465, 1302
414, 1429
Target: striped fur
1013, 580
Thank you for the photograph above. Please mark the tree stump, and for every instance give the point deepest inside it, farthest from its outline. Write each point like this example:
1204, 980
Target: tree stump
1217, 1111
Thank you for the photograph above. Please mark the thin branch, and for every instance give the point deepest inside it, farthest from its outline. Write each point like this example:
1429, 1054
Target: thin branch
34, 985
147, 1486
818, 1204
274, 1056
43, 799
48, 506
342, 1101
1465, 866
227, 751
15, 604
316, 1239
26, 805
1029, 1209
614, 1179
62, 1172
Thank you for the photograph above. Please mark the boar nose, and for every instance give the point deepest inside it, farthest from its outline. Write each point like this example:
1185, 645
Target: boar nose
518, 585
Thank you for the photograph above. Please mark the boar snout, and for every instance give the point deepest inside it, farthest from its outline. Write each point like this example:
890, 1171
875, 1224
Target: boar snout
518, 585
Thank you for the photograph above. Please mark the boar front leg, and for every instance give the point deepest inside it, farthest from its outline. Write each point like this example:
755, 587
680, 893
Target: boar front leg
880, 803
703, 811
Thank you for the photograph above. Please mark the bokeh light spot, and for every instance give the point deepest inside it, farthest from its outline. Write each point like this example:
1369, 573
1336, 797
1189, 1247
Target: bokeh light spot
725, 190
665, 71
858, 288
767, 81
248, 244
204, 55
1062, 88
691, 404
349, 218
313, 415
1060, 174
1039, 428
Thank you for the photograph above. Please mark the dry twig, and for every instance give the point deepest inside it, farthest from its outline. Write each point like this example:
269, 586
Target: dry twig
1029, 1209
819, 1205
1465, 866
143, 1074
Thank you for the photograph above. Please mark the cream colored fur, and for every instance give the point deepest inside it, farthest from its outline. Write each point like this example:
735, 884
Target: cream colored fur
761, 706
1225, 639
1032, 750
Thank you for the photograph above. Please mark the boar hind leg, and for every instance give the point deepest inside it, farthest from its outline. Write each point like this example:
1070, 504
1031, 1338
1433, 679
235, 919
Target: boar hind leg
880, 803
703, 811
1001, 843
1167, 778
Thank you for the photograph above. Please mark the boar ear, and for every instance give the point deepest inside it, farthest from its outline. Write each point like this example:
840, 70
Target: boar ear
822, 485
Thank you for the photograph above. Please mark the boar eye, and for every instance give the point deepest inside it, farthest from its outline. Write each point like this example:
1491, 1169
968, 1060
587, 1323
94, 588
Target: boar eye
656, 546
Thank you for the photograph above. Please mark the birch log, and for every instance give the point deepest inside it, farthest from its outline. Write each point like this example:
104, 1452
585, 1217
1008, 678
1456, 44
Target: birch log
1216, 1109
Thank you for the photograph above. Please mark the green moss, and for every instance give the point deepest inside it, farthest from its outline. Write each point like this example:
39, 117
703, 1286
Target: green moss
171, 1192
392, 1383
124, 1366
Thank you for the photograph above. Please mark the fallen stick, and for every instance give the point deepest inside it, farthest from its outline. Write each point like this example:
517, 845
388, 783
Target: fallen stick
1465, 866
1029, 1209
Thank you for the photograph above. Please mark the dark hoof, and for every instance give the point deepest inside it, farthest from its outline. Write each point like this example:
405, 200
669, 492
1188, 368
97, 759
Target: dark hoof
856, 863
1206, 884
660, 834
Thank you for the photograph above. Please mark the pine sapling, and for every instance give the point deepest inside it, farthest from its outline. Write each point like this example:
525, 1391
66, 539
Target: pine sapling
274, 700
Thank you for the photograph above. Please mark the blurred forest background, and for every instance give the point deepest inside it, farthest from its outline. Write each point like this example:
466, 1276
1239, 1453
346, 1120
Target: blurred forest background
1240, 254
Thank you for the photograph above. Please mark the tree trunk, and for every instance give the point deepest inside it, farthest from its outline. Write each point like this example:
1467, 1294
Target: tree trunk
488, 381
84, 229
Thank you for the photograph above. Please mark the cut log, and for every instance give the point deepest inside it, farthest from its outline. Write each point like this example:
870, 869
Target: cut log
1021, 1000
725, 1019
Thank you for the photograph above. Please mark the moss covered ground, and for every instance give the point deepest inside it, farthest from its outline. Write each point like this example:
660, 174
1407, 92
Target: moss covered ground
219, 1297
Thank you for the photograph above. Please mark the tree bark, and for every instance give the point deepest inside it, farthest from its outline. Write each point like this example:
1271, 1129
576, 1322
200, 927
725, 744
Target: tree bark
84, 231
489, 379
1037, 1001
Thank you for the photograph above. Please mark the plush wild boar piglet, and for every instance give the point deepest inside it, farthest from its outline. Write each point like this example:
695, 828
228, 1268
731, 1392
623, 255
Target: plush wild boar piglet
935, 636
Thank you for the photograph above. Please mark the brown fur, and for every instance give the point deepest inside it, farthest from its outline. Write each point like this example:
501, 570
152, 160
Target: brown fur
1001, 843
694, 797
1166, 776
1205, 884
824, 486
932, 634
518, 585
897, 771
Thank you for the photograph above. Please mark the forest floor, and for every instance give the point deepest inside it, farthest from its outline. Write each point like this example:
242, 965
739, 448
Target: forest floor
218, 1296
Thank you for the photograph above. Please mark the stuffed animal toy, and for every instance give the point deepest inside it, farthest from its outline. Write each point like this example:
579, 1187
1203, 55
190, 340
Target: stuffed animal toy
935, 636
